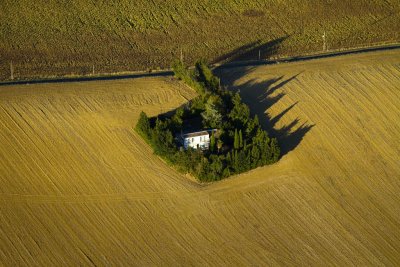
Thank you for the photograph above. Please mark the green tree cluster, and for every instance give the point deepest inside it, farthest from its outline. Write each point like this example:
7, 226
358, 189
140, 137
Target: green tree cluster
238, 145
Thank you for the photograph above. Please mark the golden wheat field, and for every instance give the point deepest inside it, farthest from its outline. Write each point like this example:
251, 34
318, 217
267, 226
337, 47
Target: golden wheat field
79, 187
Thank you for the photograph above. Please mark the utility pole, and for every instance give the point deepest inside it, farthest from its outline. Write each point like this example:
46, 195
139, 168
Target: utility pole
93, 70
324, 39
11, 71
259, 54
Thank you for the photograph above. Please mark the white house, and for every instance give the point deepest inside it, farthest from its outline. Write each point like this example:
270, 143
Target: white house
197, 139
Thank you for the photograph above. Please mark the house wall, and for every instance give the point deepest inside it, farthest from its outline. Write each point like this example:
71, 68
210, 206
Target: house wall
201, 141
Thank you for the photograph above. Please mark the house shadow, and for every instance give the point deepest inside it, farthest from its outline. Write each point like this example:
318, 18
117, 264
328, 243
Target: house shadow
260, 97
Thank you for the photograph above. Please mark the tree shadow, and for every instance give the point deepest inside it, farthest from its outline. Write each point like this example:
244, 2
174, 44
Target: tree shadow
260, 97
253, 51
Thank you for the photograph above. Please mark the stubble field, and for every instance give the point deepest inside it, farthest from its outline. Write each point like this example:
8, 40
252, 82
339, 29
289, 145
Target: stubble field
79, 187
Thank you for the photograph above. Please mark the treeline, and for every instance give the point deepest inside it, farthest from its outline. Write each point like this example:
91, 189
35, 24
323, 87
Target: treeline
239, 144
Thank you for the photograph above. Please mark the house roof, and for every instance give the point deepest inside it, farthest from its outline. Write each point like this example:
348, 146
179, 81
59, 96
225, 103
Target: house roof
194, 134
199, 133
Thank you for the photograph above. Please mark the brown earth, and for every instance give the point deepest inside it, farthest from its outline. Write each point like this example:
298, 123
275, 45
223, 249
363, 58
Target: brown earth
54, 38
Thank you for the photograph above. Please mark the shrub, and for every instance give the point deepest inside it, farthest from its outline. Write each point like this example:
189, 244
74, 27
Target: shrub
143, 126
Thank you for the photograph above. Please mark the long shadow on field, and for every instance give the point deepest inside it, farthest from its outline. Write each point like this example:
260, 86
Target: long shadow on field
252, 51
260, 96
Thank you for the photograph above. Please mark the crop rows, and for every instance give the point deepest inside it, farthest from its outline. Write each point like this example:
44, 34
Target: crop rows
69, 39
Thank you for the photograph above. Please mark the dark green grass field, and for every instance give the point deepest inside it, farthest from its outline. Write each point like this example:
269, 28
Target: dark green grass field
51, 38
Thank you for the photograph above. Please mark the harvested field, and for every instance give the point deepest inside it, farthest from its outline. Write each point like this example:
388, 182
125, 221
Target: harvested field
79, 187
58, 38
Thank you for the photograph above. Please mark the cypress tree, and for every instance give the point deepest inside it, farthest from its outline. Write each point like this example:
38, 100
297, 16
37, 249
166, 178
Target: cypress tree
276, 151
236, 140
212, 142
256, 122
219, 144
235, 160
228, 157
240, 139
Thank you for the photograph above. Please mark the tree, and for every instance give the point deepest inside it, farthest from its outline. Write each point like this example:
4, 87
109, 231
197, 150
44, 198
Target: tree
202, 169
182, 73
162, 139
179, 69
206, 76
212, 142
242, 161
216, 167
219, 144
240, 139
226, 173
143, 126
229, 158
211, 117
236, 140
240, 112
177, 118
275, 150
252, 126
235, 160
255, 156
